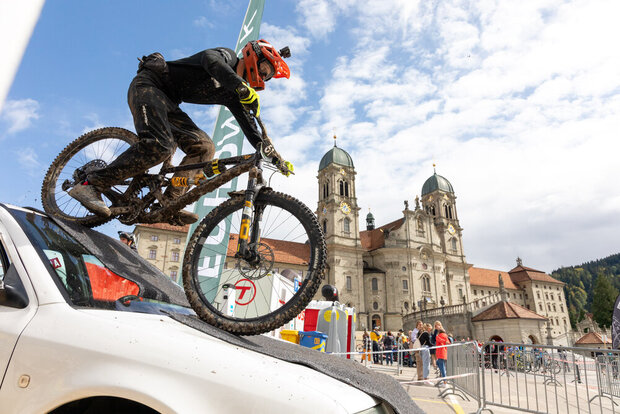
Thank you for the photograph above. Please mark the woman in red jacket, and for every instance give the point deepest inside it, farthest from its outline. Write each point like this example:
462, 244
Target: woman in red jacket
442, 352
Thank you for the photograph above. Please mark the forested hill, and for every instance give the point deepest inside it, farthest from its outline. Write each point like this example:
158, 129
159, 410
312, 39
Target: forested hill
585, 287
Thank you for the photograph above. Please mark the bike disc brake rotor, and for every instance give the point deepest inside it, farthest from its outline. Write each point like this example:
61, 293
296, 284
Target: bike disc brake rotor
81, 173
263, 265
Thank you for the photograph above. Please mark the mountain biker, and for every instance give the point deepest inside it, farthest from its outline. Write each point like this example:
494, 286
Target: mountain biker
212, 76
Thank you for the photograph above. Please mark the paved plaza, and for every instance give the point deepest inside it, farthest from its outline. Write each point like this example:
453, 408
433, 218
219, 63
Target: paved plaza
531, 392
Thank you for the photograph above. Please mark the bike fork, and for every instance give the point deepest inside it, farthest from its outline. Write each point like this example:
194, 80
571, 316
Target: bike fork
249, 231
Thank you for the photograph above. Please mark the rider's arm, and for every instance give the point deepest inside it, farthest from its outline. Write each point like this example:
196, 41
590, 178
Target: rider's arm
220, 64
246, 122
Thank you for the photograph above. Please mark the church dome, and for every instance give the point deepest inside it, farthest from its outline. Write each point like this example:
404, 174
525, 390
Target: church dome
336, 156
436, 182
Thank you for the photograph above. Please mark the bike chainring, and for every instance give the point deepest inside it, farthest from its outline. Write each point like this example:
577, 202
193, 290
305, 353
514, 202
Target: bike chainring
263, 265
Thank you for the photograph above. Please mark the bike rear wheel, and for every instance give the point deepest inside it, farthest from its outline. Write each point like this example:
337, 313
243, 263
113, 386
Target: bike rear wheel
93, 150
247, 299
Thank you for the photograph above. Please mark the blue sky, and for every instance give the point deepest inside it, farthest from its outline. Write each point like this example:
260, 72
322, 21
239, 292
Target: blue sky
516, 102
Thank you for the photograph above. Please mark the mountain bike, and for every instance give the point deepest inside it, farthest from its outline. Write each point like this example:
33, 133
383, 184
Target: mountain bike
250, 266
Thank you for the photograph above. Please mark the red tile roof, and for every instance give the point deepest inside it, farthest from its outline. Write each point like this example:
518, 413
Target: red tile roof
166, 226
284, 251
524, 274
506, 310
489, 277
592, 338
375, 239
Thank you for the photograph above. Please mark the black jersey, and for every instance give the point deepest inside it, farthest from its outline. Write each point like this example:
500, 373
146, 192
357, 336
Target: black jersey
210, 77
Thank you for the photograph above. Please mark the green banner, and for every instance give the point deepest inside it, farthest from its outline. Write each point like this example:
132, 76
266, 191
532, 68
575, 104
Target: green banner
228, 139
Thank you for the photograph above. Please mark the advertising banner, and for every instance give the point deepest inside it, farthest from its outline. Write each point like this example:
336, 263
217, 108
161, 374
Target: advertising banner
228, 139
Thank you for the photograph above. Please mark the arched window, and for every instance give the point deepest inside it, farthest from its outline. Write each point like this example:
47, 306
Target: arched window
349, 284
453, 243
325, 190
445, 210
374, 284
426, 283
450, 212
324, 226
346, 225
344, 188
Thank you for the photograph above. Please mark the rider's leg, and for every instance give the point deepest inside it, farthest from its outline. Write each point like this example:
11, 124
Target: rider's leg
194, 142
149, 107
197, 146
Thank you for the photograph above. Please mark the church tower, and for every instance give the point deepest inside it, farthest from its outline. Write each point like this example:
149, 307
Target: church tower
439, 203
338, 215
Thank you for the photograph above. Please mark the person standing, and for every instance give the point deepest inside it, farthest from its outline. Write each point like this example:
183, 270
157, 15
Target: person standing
419, 327
366, 346
437, 326
374, 337
388, 344
425, 343
442, 352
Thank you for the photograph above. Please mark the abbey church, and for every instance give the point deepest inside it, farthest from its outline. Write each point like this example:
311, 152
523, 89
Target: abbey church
415, 266
393, 269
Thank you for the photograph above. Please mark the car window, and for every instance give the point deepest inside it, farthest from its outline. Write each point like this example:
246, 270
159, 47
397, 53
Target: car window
81, 275
4, 261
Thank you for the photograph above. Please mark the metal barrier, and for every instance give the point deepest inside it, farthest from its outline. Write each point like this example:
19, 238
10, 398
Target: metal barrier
607, 377
548, 379
463, 372
530, 378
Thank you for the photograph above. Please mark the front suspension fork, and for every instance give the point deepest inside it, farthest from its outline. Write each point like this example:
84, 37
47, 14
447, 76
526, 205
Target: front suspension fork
249, 231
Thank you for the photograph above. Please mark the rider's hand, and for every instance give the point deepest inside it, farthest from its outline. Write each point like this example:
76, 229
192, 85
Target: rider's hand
249, 98
285, 167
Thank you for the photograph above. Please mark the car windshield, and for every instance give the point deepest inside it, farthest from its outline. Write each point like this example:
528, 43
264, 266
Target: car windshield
84, 279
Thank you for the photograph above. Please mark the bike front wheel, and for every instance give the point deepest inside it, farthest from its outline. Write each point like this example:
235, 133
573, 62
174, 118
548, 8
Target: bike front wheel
254, 298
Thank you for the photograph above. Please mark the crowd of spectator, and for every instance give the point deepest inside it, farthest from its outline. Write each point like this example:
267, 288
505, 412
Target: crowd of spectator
426, 344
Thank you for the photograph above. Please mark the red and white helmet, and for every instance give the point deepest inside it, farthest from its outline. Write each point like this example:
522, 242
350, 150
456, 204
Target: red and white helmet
262, 62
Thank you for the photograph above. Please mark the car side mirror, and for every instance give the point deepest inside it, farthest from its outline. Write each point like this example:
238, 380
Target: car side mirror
12, 291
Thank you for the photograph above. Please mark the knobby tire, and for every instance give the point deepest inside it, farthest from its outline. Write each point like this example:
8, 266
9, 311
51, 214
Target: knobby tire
275, 319
48, 189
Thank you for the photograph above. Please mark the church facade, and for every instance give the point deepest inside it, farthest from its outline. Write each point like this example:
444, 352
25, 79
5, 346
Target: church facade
415, 266
415, 262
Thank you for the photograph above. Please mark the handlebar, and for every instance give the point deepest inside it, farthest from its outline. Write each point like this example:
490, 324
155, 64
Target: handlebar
268, 150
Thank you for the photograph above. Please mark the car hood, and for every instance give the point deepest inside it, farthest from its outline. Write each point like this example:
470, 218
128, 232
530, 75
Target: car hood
163, 342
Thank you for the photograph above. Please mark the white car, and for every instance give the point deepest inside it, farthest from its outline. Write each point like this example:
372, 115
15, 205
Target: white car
68, 346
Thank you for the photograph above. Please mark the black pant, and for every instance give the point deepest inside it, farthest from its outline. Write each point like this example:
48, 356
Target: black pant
375, 355
161, 126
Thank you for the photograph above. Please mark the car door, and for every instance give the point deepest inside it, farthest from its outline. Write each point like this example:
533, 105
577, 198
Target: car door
14, 314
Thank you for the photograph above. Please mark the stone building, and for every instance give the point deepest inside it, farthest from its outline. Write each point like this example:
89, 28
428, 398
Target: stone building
415, 266
163, 246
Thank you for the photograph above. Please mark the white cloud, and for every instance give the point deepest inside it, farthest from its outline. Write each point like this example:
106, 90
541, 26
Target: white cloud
517, 104
202, 21
19, 114
29, 160
317, 16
